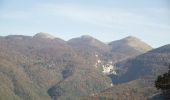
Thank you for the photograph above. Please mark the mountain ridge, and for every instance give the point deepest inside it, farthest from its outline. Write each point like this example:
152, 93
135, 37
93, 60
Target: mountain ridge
57, 69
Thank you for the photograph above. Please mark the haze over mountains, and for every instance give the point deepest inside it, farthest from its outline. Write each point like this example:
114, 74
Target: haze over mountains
43, 67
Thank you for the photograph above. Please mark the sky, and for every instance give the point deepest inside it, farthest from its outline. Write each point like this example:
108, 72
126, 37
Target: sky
106, 20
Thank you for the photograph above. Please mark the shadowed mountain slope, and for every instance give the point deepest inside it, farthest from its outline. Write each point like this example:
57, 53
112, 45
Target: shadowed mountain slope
137, 82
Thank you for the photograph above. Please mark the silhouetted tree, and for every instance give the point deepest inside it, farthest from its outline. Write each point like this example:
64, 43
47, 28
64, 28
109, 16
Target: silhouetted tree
163, 83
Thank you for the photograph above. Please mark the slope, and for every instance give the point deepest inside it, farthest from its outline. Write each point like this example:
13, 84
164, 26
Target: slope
30, 66
137, 82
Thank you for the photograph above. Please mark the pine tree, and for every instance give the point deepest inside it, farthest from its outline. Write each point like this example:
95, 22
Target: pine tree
163, 83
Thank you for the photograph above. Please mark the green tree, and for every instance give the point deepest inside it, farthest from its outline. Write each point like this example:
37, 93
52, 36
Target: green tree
163, 83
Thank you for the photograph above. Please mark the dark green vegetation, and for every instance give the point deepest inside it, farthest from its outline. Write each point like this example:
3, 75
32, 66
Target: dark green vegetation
163, 83
43, 67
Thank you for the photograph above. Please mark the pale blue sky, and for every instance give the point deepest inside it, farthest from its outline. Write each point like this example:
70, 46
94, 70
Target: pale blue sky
107, 20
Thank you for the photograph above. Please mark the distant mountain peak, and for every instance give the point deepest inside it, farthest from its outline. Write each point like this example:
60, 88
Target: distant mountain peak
87, 41
131, 38
86, 37
131, 44
83, 39
44, 35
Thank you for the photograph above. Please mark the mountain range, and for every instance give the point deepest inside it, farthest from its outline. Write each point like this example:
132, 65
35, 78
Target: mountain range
44, 67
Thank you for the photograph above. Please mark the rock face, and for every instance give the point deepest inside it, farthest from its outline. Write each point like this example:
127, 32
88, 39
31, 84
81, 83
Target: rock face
109, 69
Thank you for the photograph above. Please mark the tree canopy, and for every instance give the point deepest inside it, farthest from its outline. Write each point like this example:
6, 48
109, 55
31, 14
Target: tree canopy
163, 83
